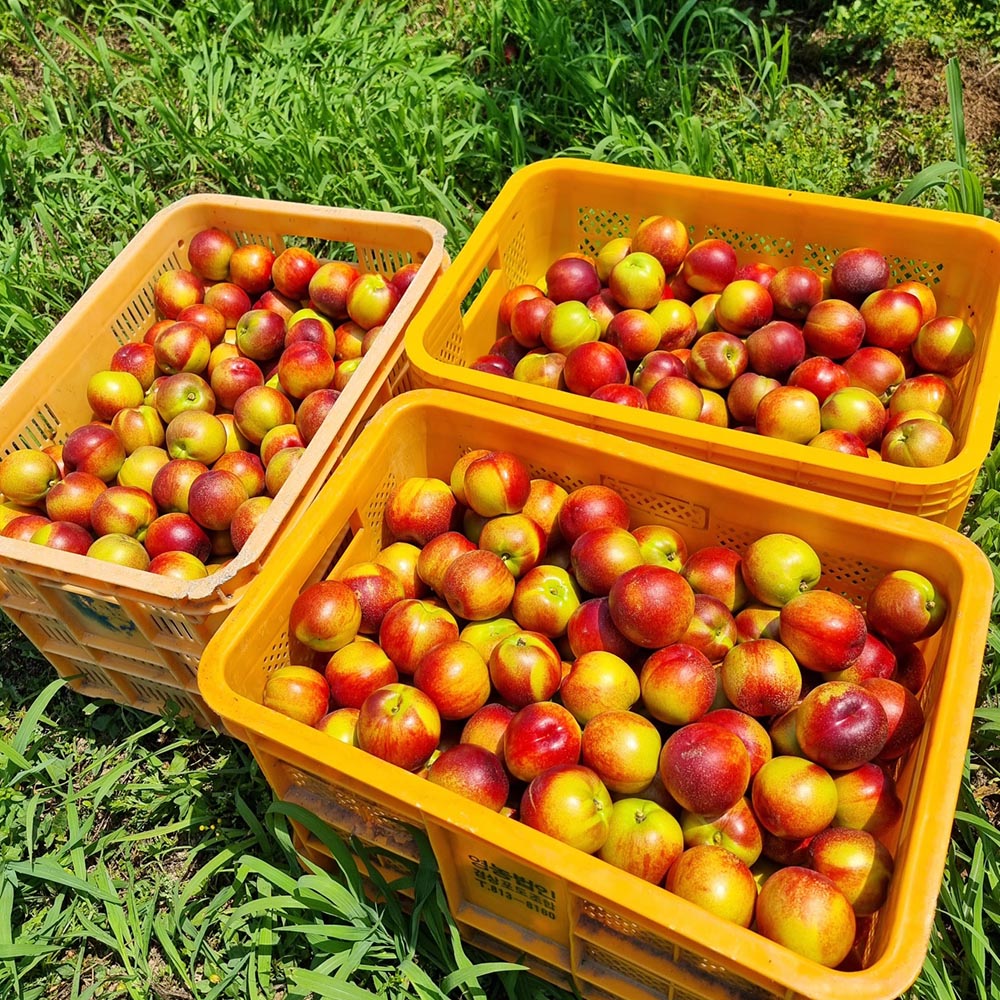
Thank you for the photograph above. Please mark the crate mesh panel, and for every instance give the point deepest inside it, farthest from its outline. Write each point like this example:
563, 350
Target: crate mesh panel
270, 240
734, 536
91, 676
351, 814
752, 245
382, 261
738, 988
190, 663
592, 992
374, 510
515, 259
724, 985
661, 506
173, 626
130, 665
568, 483
597, 226
20, 586
133, 318
278, 656
54, 630
40, 430
657, 986
853, 578
160, 695
451, 350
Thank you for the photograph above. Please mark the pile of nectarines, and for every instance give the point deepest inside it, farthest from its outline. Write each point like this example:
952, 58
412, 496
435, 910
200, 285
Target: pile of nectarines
711, 719
196, 427
848, 360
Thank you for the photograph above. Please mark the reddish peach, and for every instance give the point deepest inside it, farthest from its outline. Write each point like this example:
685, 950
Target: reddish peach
246, 518
663, 236
356, 670
250, 267
477, 585
643, 839
867, 799
598, 681
793, 797
599, 556
420, 508
525, 667
208, 317
329, 287
456, 677
209, 251
401, 558
486, 726
716, 570
496, 483
676, 396
743, 306
472, 772
715, 880
902, 711
411, 627
823, 630
875, 660
231, 300
833, 328
806, 912
789, 413
539, 736
377, 589
761, 677
298, 692
705, 768
175, 289
591, 506
736, 830
591, 627
858, 272
399, 724
906, 606
325, 616
66, 536
860, 866
678, 684
712, 629
754, 736
570, 803
623, 749
709, 265
214, 498
651, 606
795, 290
841, 725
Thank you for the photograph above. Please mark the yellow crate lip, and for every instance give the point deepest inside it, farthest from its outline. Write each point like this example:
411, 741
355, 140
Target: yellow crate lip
900, 963
573, 172
115, 288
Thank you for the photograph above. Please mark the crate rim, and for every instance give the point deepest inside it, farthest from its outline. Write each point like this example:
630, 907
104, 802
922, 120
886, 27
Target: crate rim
889, 976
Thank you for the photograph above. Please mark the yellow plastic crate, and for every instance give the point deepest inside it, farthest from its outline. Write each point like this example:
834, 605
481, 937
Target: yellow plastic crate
512, 890
561, 205
134, 636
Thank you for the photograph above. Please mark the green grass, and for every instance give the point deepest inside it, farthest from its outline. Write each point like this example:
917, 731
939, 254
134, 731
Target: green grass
140, 857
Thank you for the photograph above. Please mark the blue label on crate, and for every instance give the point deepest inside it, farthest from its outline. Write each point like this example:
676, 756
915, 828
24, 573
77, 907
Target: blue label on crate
103, 614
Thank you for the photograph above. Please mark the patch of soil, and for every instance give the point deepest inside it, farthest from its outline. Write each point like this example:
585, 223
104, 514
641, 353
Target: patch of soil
987, 793
920, 75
